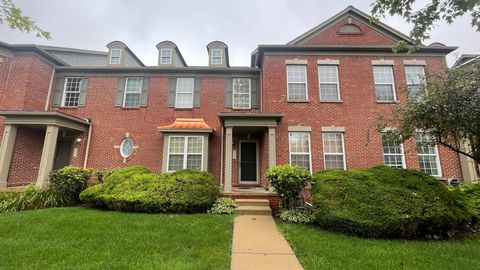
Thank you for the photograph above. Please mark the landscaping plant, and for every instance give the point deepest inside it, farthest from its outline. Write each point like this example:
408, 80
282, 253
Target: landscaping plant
65, 187
296, 216
468, 196
223, 206
136, 189
68, 182
386, 202
288, 181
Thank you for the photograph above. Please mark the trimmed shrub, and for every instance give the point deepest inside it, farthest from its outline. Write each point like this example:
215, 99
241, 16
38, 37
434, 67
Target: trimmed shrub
136, 189
223, 206
288, 182
296, 216
468, 197
385, 202
68, 182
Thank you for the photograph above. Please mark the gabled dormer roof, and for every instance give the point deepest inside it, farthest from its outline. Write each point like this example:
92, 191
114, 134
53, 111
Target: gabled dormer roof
130, 58
466, 59
357, 14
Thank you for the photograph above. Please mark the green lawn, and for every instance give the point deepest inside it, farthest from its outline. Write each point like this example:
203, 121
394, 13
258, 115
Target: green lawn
82, 238
319, 249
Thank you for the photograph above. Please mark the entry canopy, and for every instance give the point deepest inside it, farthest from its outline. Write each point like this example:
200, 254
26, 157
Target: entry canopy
42, 118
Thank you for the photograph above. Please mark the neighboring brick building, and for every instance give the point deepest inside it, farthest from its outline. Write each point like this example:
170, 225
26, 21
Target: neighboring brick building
313, 102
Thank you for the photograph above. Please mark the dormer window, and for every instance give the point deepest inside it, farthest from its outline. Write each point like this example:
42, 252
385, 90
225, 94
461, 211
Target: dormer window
166, 56
115, 56
216, 57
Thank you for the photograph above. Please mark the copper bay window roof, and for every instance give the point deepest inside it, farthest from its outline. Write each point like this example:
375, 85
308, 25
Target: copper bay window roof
187, 125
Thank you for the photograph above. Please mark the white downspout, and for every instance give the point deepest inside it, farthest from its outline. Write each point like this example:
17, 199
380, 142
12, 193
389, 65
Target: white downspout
221, 159
47, 103
87, 150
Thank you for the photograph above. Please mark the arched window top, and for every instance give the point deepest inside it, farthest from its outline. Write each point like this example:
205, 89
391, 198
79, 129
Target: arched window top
350, 29
126, 148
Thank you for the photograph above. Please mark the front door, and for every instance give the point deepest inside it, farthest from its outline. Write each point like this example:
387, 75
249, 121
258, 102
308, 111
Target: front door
62, 154
248, 162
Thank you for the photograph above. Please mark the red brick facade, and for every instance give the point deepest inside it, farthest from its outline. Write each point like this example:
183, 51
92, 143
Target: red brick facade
25, 80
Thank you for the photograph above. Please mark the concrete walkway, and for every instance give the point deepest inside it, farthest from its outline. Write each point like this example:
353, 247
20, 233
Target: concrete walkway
257, 244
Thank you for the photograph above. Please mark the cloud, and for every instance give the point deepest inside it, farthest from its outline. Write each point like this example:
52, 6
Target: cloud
141, 24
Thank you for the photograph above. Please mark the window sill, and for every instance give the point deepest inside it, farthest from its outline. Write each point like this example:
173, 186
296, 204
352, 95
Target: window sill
331, 101
299, 101
130, 108
183, 109
68, 107
387, 101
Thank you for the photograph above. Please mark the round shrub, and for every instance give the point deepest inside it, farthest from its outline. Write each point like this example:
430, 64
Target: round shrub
223, 206
385, 202
135, 189
68, 182
288, 182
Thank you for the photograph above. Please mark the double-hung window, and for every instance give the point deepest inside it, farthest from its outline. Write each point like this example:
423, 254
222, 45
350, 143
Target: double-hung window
415, 76
241, 93
428, 155
297, 82
329, 85
133, 92
393, 154
216, 57
384, 83
71, 91
185, 152
299, 143
184, 98
165, 56
334, 151
115, 55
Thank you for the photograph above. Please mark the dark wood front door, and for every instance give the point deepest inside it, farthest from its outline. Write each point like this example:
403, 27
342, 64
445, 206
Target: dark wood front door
62, 154
248, 162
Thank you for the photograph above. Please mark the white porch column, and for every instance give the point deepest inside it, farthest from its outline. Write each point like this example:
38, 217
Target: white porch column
228, 159
272, 151
6, 150
48, 155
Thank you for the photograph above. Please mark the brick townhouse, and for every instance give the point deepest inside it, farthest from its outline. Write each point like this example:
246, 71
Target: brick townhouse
313, 102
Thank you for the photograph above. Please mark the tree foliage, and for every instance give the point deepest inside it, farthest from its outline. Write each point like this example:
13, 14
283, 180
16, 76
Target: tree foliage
13, 17
448, 111
424, 19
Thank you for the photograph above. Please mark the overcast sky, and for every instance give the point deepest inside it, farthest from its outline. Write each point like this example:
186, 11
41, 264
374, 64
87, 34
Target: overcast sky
241, 24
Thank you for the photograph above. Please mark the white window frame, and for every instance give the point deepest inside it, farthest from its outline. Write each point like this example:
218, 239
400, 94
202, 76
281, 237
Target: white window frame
176, 93
221, 56
121, 148
402, 152
343, 149
392, 84
407, 80
306, 84
125, 92
170, 57
64, 96
437, 159
249, 94
185, 151
300, 153
320, 84
119, 56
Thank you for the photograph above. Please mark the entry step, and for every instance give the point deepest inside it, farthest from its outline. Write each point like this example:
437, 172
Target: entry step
253, 202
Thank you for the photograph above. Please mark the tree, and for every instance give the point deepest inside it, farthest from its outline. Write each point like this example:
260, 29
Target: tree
13, 17
448, 110
425, 18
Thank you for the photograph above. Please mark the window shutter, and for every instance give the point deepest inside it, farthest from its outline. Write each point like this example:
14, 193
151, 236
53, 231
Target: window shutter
254, 93
145, 88
57, 95
172, 88
229, 93
120, 90
196, 93
83, 93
